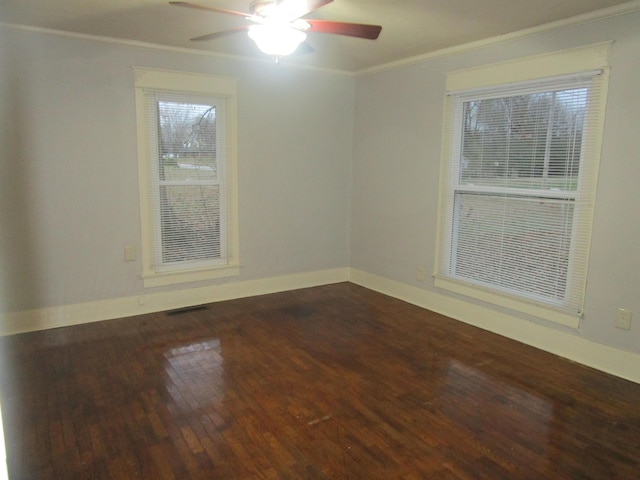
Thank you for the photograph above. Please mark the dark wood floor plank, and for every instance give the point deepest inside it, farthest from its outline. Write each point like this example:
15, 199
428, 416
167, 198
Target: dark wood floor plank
334, 382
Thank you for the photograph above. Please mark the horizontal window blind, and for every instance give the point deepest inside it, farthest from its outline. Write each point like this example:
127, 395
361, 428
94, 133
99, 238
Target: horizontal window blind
519, 188
188, 179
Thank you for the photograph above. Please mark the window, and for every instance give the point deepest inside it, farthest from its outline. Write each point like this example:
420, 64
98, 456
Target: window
518, 188
186, 128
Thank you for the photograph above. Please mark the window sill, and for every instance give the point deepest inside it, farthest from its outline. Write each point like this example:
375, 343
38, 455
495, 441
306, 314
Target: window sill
159, 279
537, 310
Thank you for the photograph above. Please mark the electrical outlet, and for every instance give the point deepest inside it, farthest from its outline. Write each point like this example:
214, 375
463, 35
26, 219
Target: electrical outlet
623, 319
129, 253
421, 275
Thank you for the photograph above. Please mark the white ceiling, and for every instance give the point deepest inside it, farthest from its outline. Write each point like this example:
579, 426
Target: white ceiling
410, 27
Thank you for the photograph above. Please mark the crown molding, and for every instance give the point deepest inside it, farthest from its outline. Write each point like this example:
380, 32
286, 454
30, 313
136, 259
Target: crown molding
165, 48
585, 18
614, 11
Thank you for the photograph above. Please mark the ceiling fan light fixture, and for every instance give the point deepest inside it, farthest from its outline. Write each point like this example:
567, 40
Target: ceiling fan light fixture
276, 39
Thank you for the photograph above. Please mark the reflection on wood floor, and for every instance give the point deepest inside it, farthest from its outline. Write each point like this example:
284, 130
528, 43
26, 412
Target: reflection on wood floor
334, 382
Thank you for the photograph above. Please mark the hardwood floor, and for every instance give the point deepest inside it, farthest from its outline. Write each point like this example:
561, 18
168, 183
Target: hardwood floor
334, 382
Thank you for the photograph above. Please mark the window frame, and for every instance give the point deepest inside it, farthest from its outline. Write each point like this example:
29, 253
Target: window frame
215, 89
497, 76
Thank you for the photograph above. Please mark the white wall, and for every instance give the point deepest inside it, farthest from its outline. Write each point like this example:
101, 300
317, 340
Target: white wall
396, 166
69, 187
338, 180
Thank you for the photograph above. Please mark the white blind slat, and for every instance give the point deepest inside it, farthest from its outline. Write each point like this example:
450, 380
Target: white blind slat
187, 179
519, 187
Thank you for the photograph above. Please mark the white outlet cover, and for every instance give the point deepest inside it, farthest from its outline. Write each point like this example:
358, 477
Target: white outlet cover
623, 319
129, 253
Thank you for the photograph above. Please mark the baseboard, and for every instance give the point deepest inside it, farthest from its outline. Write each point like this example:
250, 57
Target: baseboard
571, 346
67, 315
602, 357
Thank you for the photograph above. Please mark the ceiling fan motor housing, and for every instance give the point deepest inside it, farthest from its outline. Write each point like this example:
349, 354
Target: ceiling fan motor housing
262, 8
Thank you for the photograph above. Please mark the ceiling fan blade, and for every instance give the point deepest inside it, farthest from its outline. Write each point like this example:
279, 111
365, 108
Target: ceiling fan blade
358, 30
210, 9
300, 8
211, 36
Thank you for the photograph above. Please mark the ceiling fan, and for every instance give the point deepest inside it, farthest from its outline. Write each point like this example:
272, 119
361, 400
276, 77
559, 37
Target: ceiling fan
278, 27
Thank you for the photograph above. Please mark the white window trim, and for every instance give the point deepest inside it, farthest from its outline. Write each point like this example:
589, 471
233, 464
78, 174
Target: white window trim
192, 83
557, 64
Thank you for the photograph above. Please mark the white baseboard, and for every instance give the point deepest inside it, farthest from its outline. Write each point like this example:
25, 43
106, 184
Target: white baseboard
571, 346
66, 315
607, 359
